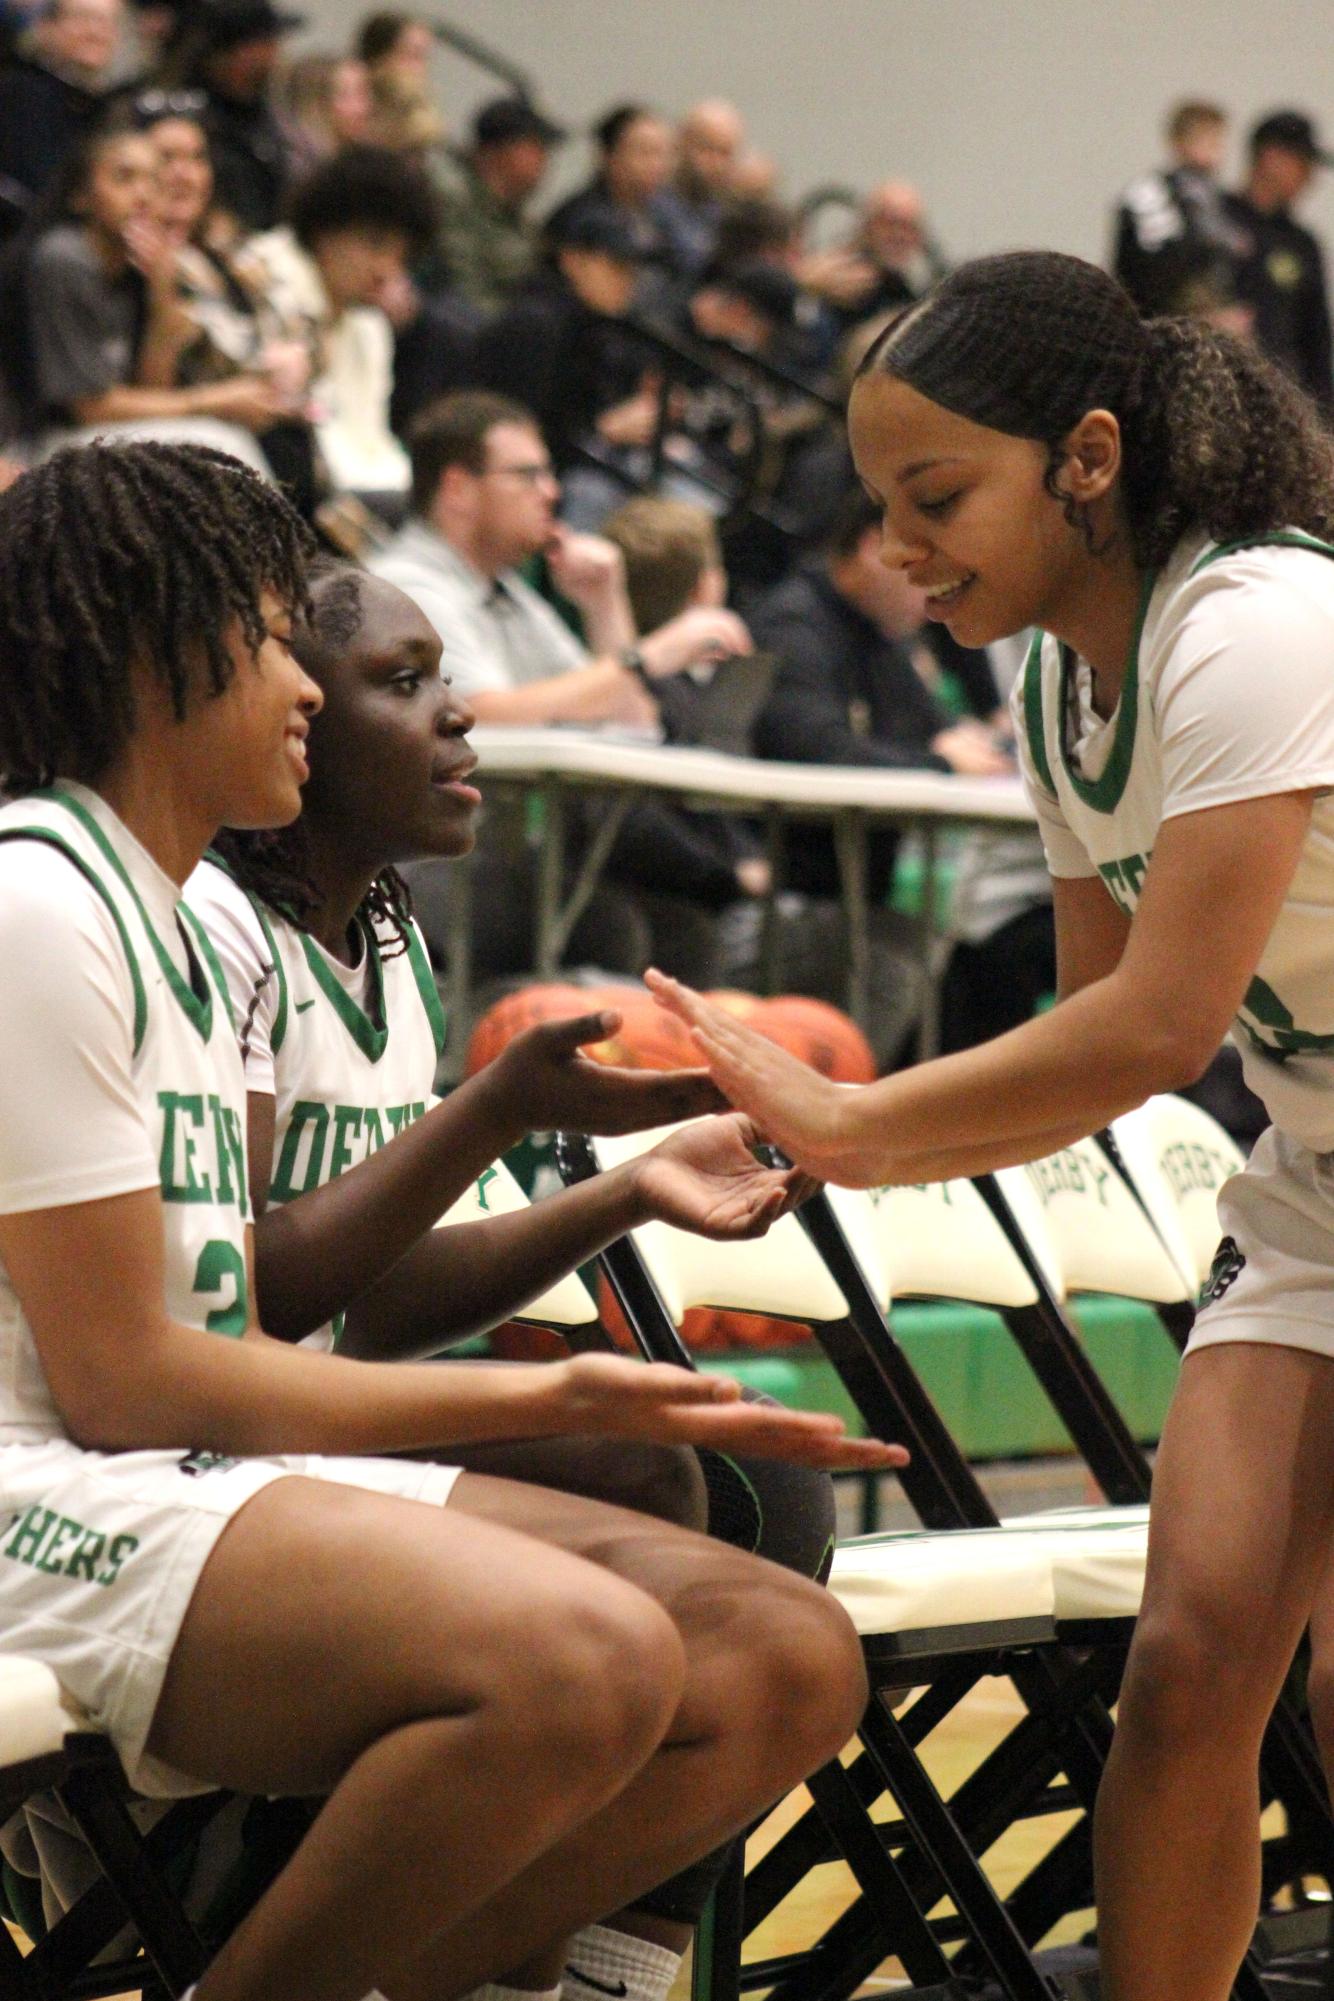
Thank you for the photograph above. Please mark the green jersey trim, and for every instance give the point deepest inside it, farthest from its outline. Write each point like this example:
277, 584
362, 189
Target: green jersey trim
58, 841
212, 961
370, 1031
1103, 793
426, 987
1037, 737
281, 1011
197, 1008
1288, 538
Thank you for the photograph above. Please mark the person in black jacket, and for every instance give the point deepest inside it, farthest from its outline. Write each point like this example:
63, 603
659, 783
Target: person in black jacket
52, 91
1281, 273
847, 689
1175, 245
561, 348
230, 51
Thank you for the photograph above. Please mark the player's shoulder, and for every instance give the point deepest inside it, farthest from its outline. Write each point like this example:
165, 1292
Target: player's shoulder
1271, 597
47, 871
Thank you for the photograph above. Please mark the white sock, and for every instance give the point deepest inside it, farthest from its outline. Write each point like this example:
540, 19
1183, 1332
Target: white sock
602, 1962
492, 1990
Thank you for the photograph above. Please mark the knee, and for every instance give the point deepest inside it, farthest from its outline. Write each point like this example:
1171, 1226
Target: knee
600, 1688
805, 1677
1192, 1676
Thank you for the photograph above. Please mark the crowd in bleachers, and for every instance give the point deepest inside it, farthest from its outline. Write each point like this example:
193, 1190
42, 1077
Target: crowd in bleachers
292, 256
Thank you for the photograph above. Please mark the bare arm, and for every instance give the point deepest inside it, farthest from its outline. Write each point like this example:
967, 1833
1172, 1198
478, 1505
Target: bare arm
1146, 1019
315, 1255
245, 400
469, 1277
125, 1376
602, 692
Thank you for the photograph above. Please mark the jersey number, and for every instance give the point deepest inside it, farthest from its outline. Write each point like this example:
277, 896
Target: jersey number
221, 1268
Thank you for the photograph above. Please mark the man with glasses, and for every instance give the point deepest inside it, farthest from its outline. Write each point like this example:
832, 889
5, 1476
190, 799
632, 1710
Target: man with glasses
483, 502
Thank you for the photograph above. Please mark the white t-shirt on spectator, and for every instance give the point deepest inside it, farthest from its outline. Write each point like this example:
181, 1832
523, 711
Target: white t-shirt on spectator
1229, 696
353, 375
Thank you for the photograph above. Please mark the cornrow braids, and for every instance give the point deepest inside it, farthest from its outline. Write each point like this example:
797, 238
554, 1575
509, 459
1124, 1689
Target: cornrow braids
1214, 437
117, 555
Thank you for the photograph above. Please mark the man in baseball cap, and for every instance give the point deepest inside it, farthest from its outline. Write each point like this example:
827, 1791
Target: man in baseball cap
229, 51
1281, 269
487, 245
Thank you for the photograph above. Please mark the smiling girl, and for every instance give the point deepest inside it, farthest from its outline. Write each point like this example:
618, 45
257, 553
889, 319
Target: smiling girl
230, 1603
1159, 503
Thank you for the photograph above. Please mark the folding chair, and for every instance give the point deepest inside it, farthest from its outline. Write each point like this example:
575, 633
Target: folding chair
45, 1744
1081, 1221
960, 1240
1175, 1159
942, 1640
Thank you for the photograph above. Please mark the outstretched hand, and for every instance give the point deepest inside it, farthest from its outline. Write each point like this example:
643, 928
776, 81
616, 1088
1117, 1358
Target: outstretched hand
615, 1397
793, 1105
552, 1086
705, 1178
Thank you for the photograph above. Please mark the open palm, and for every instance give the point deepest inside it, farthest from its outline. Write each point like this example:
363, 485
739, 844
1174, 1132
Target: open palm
706, 1179
795, 1107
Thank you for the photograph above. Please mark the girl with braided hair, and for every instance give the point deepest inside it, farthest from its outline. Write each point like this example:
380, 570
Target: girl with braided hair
179, 1545
338, 1021
1159, 503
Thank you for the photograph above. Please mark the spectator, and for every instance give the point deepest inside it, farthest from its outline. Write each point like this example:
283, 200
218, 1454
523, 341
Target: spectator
1281, 271
396, 49
846, 691
890, 262
224, 325
1175, 244
635, 158
487, 245
324, 102
755, 177
105, 328
355, 225
52, 92
560, 349
230, 51
671, 555
484, 496
709, 144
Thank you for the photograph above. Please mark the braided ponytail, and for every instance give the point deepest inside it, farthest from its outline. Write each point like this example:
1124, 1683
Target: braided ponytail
1214, 438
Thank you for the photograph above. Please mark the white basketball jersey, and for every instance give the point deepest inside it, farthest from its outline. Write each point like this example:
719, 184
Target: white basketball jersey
354, 1049
1228, 695
187, 1077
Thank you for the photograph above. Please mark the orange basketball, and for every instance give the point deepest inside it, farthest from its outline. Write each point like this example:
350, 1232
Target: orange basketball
708, 1330
823, 1036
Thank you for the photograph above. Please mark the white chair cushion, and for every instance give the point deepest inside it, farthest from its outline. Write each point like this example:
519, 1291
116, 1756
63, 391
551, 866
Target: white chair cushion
780, 1273
1101, 1234
496, 1193
940, 1240
1097, 1558
917, 1580
1179, 1159
35, 1715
